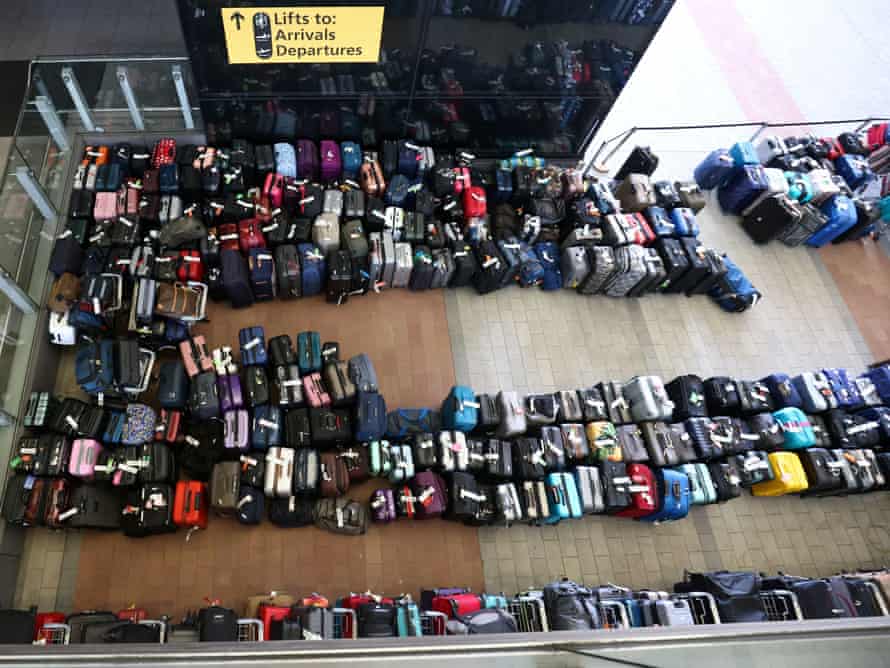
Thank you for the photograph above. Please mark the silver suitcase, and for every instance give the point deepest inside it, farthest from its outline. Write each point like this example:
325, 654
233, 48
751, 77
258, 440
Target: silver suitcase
880, 479
443, 268
823, 186
375, 259
648, 399
389, 258
851, 482
575, 266
452, 451
570, 409
862, 469
513, 422
145, 303
590, 489
509, 507
631, 261
279, 473
403, 266
394, 222
603, 267
326, 233
674, 612
535, 501
333, 202
868, 391
770, 148
811, 222
776, 185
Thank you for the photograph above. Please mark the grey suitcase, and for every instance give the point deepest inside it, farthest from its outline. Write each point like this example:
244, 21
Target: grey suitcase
590, 489
635, 193
806, 226
394, 222
145, 303
815, 392
362, 373
326, 233
655, 274
648, 399
403, 265
225, 487
674, 613
631, 261
354, 237
306, 471
333, 202
443, 268
389, 258
509, 508
278, 482
603, 267
513, 422
375, 260
616, 403
570, 409
575, 266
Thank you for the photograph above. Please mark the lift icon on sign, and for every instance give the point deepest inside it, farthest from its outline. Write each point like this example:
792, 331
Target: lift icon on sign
262, 35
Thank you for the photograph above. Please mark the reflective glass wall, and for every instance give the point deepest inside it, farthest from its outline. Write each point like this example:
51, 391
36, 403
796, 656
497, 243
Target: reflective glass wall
492, 76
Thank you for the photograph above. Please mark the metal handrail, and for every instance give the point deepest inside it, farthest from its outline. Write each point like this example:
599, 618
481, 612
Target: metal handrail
623, 137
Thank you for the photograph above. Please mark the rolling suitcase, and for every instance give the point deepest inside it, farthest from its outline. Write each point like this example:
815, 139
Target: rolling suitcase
673, 495
771, 217
790, 477
287, 266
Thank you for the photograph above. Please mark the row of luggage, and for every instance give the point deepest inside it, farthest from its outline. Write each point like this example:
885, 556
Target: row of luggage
803, 190
708, 598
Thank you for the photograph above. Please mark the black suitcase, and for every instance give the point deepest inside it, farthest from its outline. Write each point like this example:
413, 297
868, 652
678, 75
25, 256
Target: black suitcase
173, 385
721, 396
727, 482
616, 484
465, 264
771, 218
216, 624
236, 279
281, 350
97, 508
339, 283
16, 627
149, 511
158, 464
674, 258
256, 386
640, 161
287, 265
15, 499
422, 273
330, 427
90, 626
593, 405
821, 475
688, 394
491, 268
698, 267
292, 512
127, 371
489, 417
376, 620
716, 270
528, 459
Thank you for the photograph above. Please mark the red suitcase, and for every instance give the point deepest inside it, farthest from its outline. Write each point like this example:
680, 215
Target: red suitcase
273, 188
190, 268
41, 619
643, 492
191, 504
228, 237
474, 202
835, 150
132, 614
271, 613
250, 235
461, 179
168, 426
164, 152
457, 605
353, 601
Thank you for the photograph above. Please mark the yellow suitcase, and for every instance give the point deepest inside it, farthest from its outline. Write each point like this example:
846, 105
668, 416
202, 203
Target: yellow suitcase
789, 476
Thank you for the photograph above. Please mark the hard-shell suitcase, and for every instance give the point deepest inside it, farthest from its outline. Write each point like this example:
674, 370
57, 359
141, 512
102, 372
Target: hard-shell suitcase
252, 342
612, 393
97, 508
673, 495
279, 472
790, 477
814, 390
590, 489
616, 483
563, 497
287, 271
190, 504
648, 398
822, 471
640, 161
513, 419
841, 214
643, 492
715, 170
701, 487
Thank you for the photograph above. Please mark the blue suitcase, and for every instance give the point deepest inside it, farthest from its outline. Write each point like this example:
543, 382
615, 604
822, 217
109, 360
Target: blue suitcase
796, 428
350, 159
659, 221
715, 170
252, 341
313, 269
266, 428
370, 414
509, 249
308, 352
734, 292
114, 428
531, 271
800, 187
673, 496
845, 390
460, 411
880, 376
854, 169
746, 185
94, 366
494, 601
784, 393
548, 255
563, 496
408, 620
236, 281
408, 159
262, 274
841, 214
502, 190
397, 191
743, 153
684, 222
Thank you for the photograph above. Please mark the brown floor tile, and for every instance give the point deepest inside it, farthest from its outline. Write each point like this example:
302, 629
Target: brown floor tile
406, 335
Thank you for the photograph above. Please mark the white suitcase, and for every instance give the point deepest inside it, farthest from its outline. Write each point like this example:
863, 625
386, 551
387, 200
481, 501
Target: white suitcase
777, 184
513, 422
453, 452
394, 222
673, 612
648, 399
769, 148
279, 473
60, 332
326, 233
403, 266
823, 186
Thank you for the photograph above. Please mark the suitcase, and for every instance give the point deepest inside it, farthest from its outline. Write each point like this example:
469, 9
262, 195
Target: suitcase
252, 342
840, 212
340, 386
674, 496
613, 395
726, 479
688, 396
640, 161
512, 414
279, 472
459, 409
715, 170
643, 492
96, 508
575, 266
190, 504
648, 398
266, 427
814, 390
563, 498
590, 489
822, 471
790, 477
309, 352
287, 388
844, 389
796, 428
603, 440
616, 483
701, 487
554, 446
287, 267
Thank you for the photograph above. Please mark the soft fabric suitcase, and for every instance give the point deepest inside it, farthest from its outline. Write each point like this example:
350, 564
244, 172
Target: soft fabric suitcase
782, 390
715, 170
841, 214
744, 186
252, 342
235, 278
814, 391
771, 217
790, 477
287, 270
726, 479
688, 396
721, 396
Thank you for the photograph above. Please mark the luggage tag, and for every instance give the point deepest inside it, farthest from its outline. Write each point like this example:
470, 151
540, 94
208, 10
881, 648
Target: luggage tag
244, 501
268, 424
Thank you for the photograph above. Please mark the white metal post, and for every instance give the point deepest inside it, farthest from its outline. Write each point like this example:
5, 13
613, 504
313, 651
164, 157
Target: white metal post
51, 118
130, 97
16, 294
77, 97
184, 103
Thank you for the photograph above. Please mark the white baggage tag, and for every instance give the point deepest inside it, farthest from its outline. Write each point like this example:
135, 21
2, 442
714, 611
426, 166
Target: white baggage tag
605, 441
750, 437
450, 205
378, 213
425, 445
189, 258
291, 383
467, 494
103, 468
268, 424
250, 461
28, 451
467, 156
191, 440
754, 463
340, 517
378, 502
218, 206
460, 253
306, 200
71, 421
126, 468
269, 228
862, 427
524, 152
352, 184
264, 256
95, 238
490, 261
71, 512
125, 221
476, 457
164, 259
427, 493
247, 499
734, 479
621, 480
638, 489
228, 237
721, 439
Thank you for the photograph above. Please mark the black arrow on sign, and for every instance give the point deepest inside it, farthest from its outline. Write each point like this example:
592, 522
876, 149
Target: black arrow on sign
238, 17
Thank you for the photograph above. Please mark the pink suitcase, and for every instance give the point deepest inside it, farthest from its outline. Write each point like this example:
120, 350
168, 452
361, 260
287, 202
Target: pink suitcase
315, 391
195, 356
105, 206
237, 430
84, 454
229, 387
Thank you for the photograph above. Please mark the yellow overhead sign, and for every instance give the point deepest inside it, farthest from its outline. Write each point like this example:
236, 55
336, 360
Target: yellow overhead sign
302, 34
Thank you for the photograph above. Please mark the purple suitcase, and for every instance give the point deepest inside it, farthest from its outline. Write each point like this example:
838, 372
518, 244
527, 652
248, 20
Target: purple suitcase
237, 430
229, 387
383, 506
431, 493
307, 159
330, 161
